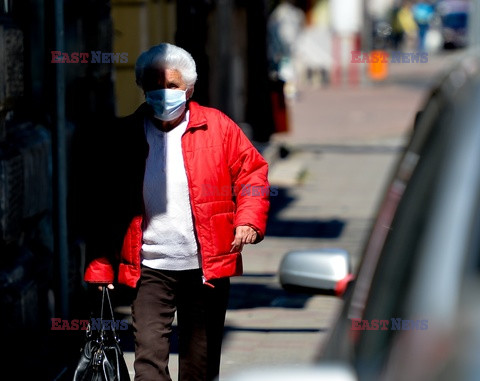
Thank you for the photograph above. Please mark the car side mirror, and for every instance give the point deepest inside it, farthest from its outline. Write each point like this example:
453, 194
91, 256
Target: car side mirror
323, 271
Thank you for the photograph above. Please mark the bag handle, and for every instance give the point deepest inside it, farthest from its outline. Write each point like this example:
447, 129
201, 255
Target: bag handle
102, 332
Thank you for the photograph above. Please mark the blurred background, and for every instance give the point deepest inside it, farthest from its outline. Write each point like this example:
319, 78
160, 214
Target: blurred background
330, 128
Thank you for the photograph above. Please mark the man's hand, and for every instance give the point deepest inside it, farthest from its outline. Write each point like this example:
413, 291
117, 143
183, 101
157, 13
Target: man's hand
243, 235
109, 286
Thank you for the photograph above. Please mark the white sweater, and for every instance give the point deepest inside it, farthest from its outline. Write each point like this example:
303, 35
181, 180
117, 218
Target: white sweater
169, 241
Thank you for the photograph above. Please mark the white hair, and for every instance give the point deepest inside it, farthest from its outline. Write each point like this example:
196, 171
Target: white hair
166, 56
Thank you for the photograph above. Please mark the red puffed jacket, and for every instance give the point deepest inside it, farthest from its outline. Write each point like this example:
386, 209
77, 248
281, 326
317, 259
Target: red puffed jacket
228, 187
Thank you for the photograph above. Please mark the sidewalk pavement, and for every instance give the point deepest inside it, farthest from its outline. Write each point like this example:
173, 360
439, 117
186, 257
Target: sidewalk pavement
343, 144
368, 113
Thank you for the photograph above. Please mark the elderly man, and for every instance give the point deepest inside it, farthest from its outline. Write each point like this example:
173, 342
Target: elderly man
178, 212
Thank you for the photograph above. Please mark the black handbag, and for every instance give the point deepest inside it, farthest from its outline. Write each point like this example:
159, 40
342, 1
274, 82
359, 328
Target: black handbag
101, 357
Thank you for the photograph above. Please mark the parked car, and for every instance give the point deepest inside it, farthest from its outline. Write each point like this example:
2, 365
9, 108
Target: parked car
412, 310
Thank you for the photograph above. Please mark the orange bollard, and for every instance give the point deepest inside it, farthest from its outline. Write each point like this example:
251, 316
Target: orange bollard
378, 65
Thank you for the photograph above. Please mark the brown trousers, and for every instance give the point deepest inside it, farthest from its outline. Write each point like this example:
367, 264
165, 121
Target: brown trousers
200, 317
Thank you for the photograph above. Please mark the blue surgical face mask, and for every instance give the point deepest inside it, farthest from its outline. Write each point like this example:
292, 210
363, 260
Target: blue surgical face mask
167, 104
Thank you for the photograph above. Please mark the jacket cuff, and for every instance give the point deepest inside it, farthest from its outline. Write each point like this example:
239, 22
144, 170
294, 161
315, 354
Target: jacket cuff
99, 271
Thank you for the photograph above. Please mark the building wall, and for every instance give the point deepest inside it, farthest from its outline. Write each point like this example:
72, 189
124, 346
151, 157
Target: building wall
30, 271
137, 25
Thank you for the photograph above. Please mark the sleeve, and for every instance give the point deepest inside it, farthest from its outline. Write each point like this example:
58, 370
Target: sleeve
100, 270
249, 174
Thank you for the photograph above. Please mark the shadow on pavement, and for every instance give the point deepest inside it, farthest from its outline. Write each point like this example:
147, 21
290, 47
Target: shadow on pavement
248, 295
277, 227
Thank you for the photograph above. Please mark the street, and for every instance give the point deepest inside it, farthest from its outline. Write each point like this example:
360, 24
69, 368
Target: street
342, 145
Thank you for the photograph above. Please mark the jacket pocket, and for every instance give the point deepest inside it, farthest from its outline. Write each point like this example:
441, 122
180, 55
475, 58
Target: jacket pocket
221, 226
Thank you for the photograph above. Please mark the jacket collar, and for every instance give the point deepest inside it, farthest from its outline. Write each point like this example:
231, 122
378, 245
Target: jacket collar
197, 116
